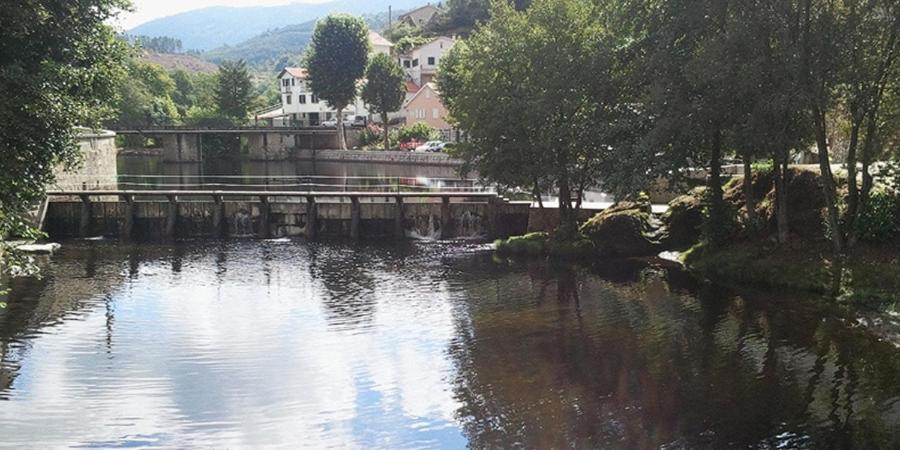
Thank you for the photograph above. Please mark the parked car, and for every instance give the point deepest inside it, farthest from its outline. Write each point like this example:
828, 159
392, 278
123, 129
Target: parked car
349, 122
410, 145
431, 147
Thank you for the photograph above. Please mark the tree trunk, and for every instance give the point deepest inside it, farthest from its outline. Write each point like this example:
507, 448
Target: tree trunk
566, 219
387, 139
715, 169
829, 191
537, 194
781, 209
749, 201
340, 128
852, 186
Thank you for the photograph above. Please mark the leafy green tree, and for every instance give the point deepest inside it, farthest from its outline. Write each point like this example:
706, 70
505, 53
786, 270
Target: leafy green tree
384, 91
184, 92
60, 65
234, 91
336, 61
145, 98
538, 94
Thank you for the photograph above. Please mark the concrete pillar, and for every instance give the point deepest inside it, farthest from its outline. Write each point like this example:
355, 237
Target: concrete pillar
492, 214
218, 214
128, 224
354, 218
446, 219
171, 216
311, 213
399, 232
84, 225
264, 210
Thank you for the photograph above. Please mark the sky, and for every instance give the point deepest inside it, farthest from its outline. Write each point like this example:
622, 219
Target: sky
147, 10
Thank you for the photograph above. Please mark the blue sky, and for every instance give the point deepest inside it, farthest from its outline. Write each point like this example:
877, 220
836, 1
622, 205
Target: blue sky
146, 10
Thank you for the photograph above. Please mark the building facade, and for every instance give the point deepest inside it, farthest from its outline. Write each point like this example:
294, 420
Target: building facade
421, 63
426, 107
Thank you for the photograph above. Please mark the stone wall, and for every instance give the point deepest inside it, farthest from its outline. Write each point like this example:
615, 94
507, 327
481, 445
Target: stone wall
98, 165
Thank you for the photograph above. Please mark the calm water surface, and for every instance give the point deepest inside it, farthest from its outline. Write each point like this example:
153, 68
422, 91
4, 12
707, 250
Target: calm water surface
290, 344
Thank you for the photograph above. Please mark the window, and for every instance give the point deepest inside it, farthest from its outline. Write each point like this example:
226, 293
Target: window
292, 81
431, 60
406, 63
328, 116
314, 98
435, 114
301, 99
287, 99
428, 94
416, 62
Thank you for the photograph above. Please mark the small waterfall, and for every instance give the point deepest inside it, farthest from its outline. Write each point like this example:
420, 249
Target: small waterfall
469, 226
426, 228
242, 224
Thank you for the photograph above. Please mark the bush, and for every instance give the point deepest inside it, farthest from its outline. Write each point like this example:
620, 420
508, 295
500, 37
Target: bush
531, 244
417, 132
879, 221
372, 135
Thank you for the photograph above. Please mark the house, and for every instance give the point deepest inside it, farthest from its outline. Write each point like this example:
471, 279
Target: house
419, 17
421, 63
380, 44
301, 107
425, 106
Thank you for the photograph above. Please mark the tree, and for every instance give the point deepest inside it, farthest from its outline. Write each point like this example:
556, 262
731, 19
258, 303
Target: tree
60, 65
384, 91
336, 61
234, 91
146, 99
533, 122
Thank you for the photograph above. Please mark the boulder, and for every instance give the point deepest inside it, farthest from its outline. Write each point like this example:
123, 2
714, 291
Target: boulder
683, 220
625, 229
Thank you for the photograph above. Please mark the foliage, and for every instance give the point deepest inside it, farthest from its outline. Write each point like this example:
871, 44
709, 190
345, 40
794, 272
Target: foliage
384, 91
267, 48
159, 44
529, 121
407, 43
880, 220
531, 244
233, 91
60, 65
419, 131
336, 60
145, 99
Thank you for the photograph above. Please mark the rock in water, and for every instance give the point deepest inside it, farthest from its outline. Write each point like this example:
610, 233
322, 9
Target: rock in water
41, 249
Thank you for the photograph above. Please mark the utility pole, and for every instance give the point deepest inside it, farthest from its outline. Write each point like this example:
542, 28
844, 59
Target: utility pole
390, 17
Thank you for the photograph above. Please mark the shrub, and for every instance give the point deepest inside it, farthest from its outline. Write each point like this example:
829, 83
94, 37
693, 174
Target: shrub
531, 244
879, 221
417, 132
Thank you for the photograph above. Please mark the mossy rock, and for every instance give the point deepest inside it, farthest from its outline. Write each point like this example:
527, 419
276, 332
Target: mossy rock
531, 244
683, 221
622, 230
805, 203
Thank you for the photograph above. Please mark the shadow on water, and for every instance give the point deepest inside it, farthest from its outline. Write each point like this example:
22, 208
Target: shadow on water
426, 345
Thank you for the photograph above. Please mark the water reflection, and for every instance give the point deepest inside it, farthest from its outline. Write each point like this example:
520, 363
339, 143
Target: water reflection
287, 344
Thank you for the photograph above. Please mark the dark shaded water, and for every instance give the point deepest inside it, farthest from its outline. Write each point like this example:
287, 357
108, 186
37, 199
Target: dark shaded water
289, 344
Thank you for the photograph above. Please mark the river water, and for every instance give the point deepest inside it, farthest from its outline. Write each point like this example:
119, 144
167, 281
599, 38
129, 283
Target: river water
289, 344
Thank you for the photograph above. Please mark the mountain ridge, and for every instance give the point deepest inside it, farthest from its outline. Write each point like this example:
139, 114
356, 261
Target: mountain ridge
217, 26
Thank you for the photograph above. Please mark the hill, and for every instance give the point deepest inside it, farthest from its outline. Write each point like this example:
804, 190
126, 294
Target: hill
209, 28
289, 40
180, 61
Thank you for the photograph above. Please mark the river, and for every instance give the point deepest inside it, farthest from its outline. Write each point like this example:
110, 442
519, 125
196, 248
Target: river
290, 344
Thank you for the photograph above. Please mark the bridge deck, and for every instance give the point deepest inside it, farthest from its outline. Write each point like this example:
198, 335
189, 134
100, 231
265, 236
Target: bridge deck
258, 193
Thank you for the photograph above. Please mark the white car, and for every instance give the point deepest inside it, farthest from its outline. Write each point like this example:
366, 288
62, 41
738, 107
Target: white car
431, 146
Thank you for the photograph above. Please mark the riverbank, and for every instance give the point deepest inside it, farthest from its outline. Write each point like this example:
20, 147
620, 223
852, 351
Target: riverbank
869, 276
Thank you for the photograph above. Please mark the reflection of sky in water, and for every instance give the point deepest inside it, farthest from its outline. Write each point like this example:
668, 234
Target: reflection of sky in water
196, 361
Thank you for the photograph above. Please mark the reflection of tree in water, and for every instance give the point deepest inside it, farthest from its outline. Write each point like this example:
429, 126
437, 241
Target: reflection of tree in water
70, 286
349, 295
589, 363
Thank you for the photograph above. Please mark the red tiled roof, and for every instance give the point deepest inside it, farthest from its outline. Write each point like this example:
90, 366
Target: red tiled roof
296, 72
411, 87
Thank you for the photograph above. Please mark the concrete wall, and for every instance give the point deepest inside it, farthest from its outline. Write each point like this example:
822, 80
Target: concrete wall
281, 219
98, 167
392, 157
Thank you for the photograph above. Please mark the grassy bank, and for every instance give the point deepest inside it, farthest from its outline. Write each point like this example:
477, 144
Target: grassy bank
869, 275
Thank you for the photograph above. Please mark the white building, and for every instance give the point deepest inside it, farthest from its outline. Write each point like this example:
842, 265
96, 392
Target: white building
301, 107
421, 63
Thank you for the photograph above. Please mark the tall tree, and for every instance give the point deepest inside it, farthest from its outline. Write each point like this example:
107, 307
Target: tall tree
59, 67
384, 91
538, 94
234, 91
336, 61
